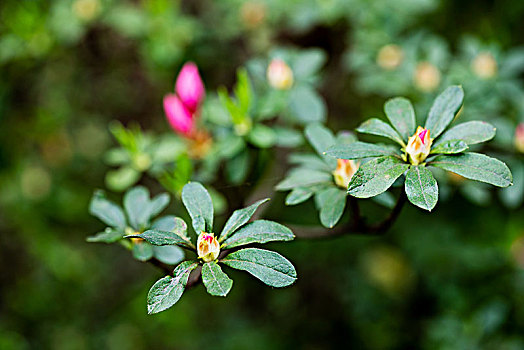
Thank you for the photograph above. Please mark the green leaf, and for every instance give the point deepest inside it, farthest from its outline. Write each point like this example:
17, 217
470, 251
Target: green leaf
310, 161
198, 203
376, 126
259, 231
158, 204
243, 91
110, 235
421, 187
358, 150
308, 62
376, 176
299, 195
239, 218
287, 137
168, 290
216, 281
269, 267
401, 114
302, 177
142, 251
470, 132
136, 204
449, 147
237, 168
476, 166
262, 136
167, 223
306, 105
175, 237
168, 254
321, 138
107, 211
331, 203
122, 178
444, 109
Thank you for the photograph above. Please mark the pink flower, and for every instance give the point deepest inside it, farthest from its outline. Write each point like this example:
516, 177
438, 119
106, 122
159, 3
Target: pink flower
178, 115
189, 87
182, 107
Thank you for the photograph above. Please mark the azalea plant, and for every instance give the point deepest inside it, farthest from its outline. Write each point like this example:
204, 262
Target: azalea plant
235, 132
425, 147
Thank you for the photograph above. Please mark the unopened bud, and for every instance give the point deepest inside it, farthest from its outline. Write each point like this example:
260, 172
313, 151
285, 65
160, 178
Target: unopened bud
344, 172
519, 137
208, 247
279, 75
419, 146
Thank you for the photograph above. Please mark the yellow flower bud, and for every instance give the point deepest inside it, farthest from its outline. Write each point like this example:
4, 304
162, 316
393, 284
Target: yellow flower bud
344, 172
279, 75
484, 65
390, 57
419, 146
253, 14
208, 247
427, 77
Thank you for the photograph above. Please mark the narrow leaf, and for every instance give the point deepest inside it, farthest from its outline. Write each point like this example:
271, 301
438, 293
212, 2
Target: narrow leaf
158, 204
259, 231
216, 281
358, 150
299, 195
110, 235
168, 254
444, 109
198, 203
269, 267
376, 176
401, 114
168, 290
331, 203
476, 166
310, 161
107, 211
174, 237
136, 204
470, 132
142, 251
302, 177
421, 187
321, 138
450, 147
377, 127
239, 218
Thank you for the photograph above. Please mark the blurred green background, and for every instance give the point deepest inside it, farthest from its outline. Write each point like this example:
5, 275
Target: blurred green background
451, 279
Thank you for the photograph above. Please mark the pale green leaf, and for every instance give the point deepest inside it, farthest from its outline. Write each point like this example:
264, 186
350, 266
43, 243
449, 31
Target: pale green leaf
108, 212
377, 127
358, 150
259, 231
216, 281
269, 267
302, 177
136, 204
168, 290
470, 132
331, 203
444, 109
376, 176
198, 203
421, 187
476, 166
239, 218
401, 114
449, 147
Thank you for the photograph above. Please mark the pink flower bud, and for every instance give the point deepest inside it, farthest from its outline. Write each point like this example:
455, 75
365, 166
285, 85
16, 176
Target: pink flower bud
344, 172
419, 146
189, 87
178, 115
208, 247
519, 137
279, 75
